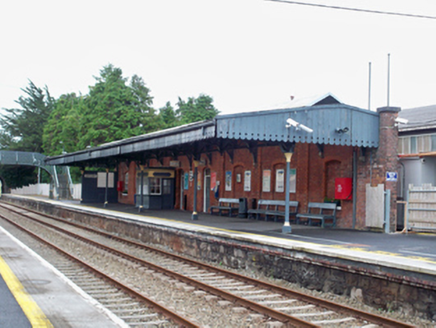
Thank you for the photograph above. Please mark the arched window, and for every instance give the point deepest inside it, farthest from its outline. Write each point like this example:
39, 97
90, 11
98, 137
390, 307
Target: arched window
126, 182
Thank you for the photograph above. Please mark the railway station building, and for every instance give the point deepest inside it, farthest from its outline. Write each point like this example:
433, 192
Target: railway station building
325, 152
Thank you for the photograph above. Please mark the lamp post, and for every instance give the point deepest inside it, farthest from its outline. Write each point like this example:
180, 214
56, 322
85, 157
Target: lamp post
141, 205
287, 226
105, 191
288, 152
194, 212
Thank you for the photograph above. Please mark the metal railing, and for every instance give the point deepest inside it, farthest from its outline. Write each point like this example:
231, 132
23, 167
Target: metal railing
30, 159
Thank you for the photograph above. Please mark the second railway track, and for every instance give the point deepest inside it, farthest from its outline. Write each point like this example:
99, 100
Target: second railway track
253, 302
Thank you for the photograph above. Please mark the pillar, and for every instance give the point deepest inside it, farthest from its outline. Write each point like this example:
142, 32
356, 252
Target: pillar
387, 156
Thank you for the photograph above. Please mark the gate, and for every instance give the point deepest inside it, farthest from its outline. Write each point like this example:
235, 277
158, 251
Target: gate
421, 208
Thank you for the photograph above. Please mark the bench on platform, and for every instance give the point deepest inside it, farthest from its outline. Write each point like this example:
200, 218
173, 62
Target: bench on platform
275, 208
319, 211
227, 205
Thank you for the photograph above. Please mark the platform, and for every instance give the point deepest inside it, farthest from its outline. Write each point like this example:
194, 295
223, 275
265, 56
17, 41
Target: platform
386, 267
410, 252
34, 294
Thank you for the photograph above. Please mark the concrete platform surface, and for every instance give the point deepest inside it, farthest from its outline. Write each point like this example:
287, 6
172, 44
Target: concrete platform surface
34, 294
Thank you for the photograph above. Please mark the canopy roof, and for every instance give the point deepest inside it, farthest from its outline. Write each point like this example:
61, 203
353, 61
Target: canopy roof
334, 124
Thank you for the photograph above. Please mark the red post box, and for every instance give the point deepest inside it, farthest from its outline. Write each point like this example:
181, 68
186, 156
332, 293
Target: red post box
120, 186
343, 188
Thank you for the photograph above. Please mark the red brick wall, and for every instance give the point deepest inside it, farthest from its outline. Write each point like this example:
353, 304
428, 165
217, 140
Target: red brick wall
315, 173
311, 176
123, 168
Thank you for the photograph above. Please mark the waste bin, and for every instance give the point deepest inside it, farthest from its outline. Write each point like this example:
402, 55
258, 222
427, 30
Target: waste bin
242, 213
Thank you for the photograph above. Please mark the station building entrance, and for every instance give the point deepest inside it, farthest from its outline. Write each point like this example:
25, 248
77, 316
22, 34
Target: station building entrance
156, 185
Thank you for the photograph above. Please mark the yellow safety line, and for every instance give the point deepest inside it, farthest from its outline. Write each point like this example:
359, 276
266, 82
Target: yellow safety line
32, 311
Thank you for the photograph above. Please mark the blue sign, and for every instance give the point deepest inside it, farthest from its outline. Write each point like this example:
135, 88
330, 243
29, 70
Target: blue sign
391, 176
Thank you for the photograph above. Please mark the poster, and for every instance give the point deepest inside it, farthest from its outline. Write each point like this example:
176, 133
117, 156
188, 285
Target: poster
266, 180
186, 181
247, 181
280, 180
293, 180
198, 180
228, 180
212, 181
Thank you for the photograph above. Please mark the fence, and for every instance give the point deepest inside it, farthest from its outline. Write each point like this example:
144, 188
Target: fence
43, 189
421, 208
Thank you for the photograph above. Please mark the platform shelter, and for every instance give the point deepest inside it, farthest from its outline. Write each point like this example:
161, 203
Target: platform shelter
326, 152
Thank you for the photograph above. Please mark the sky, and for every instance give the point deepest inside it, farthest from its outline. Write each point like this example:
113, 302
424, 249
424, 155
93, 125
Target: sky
247, 55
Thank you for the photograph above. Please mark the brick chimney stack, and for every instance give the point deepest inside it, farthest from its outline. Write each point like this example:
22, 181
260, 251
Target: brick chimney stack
387, 155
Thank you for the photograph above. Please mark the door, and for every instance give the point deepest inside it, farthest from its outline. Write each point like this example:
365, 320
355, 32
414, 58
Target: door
206, 195
168, 194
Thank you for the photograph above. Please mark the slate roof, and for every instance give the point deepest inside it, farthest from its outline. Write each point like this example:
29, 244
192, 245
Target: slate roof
420, 118
313, 100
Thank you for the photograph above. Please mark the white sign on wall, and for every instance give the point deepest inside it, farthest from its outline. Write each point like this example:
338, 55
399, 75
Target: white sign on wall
101, 179
391, 176
247, 181
280, 180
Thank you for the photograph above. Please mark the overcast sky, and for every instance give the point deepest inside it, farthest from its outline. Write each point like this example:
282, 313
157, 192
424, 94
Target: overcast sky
246, 54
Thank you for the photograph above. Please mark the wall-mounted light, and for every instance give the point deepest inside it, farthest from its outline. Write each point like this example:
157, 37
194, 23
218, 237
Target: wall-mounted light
341, 131
400, 120
298, 126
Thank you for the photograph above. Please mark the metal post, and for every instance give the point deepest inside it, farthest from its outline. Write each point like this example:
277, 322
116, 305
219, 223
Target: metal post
387, 210
287, 226
141, 205
354, 187
194, 213
389, 77
407, 211
369, 87
105, 191
39, 181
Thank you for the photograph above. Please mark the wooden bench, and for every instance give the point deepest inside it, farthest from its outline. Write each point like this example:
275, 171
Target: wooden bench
320, 211
227, 205
274, 208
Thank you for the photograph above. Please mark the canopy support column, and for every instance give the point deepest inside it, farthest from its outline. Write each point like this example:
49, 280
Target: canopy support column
194, 213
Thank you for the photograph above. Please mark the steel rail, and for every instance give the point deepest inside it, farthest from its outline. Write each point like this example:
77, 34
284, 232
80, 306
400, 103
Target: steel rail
339, 308
277, 315
176, 318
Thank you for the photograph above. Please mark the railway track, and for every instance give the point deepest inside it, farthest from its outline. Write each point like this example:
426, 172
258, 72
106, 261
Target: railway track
273, 303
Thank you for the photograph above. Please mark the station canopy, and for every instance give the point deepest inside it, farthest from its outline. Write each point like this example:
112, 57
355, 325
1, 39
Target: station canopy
331, 122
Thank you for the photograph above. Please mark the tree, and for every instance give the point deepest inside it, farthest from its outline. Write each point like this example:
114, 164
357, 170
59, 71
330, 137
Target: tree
196, 109
23, 127
61, 133
22, 130
143, 102
110, 112
167, 116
